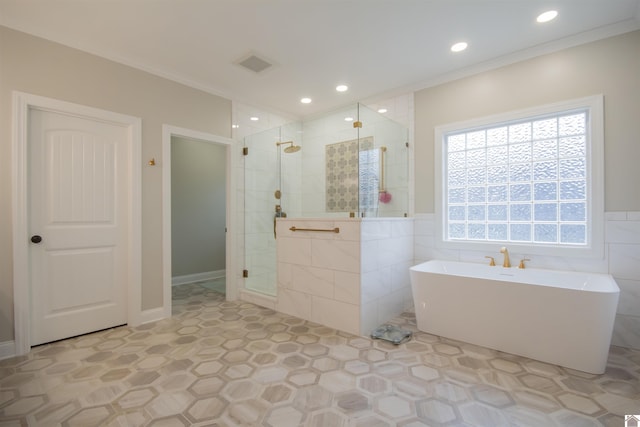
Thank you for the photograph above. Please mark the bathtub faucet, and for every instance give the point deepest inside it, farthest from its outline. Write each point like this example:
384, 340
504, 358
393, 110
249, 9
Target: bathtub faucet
507, 261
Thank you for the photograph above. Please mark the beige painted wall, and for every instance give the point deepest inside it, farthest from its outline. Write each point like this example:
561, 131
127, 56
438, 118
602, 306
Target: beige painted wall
33, 65
198, 206
610, 67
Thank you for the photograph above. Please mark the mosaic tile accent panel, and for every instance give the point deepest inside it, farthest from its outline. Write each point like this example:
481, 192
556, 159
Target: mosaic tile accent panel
342, 174
231, 363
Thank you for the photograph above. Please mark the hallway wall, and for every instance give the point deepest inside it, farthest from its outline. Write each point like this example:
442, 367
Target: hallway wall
198, 206
36, 66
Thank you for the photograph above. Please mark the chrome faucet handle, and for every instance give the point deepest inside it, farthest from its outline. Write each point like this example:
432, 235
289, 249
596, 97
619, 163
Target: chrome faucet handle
492, 262
521, 265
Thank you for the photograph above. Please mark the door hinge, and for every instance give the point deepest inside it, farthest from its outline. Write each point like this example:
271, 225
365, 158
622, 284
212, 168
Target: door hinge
406, 144
357, 124
245, 151
245, 273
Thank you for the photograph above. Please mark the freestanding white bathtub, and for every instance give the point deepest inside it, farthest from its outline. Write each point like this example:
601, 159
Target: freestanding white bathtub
558, 317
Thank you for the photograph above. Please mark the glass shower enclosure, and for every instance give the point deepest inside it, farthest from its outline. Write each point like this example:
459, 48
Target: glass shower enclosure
352, 162
272, 190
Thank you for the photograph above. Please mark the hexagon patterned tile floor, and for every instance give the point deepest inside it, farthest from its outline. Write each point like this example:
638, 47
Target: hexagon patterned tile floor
221, 363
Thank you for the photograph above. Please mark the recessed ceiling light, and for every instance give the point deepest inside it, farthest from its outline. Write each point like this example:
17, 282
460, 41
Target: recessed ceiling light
459, 47
342, 88
254, 118
348, 119
306, 100
235, 126
382, 110
547, 16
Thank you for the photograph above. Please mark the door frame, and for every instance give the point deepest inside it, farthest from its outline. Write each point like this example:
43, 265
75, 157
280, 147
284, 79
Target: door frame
22, 103
169, 131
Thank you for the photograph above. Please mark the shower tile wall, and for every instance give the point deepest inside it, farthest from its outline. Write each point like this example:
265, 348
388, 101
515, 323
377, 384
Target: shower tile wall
622, 261
352, 281
244, 127
386, 250
332, 129
319, 273
623, 241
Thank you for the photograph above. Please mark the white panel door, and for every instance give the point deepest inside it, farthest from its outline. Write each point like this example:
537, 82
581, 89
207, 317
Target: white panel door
78, 183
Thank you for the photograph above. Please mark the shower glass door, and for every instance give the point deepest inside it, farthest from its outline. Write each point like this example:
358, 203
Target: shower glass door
272, 189
261, 180
383, 165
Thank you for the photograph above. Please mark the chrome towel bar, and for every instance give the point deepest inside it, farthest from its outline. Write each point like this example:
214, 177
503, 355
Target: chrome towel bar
331, 230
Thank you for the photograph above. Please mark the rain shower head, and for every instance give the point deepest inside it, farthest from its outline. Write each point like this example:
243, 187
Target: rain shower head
294, 148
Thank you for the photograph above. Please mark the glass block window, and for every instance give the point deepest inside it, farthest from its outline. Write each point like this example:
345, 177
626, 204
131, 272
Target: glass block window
368, 174
522, 181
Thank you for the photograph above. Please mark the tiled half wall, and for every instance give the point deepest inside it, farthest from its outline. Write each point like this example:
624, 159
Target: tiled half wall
353, 280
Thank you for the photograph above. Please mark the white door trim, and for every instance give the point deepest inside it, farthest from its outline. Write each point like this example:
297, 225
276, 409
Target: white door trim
230, 245
22, 103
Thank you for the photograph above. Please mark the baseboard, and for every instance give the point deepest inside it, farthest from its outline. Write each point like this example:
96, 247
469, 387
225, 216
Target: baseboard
197, 277
7, 349
153, 315
266, 301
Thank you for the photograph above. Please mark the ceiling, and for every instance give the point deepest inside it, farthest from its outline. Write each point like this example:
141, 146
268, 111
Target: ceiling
377, 47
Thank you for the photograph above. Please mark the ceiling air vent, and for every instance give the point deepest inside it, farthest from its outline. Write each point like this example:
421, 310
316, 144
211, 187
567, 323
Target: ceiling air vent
254, 63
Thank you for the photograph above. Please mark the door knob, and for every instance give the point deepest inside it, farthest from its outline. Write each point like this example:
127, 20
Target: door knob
36, 239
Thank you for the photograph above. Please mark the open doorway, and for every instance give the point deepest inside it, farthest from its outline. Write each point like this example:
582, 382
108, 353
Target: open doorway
198, 213
198, 201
